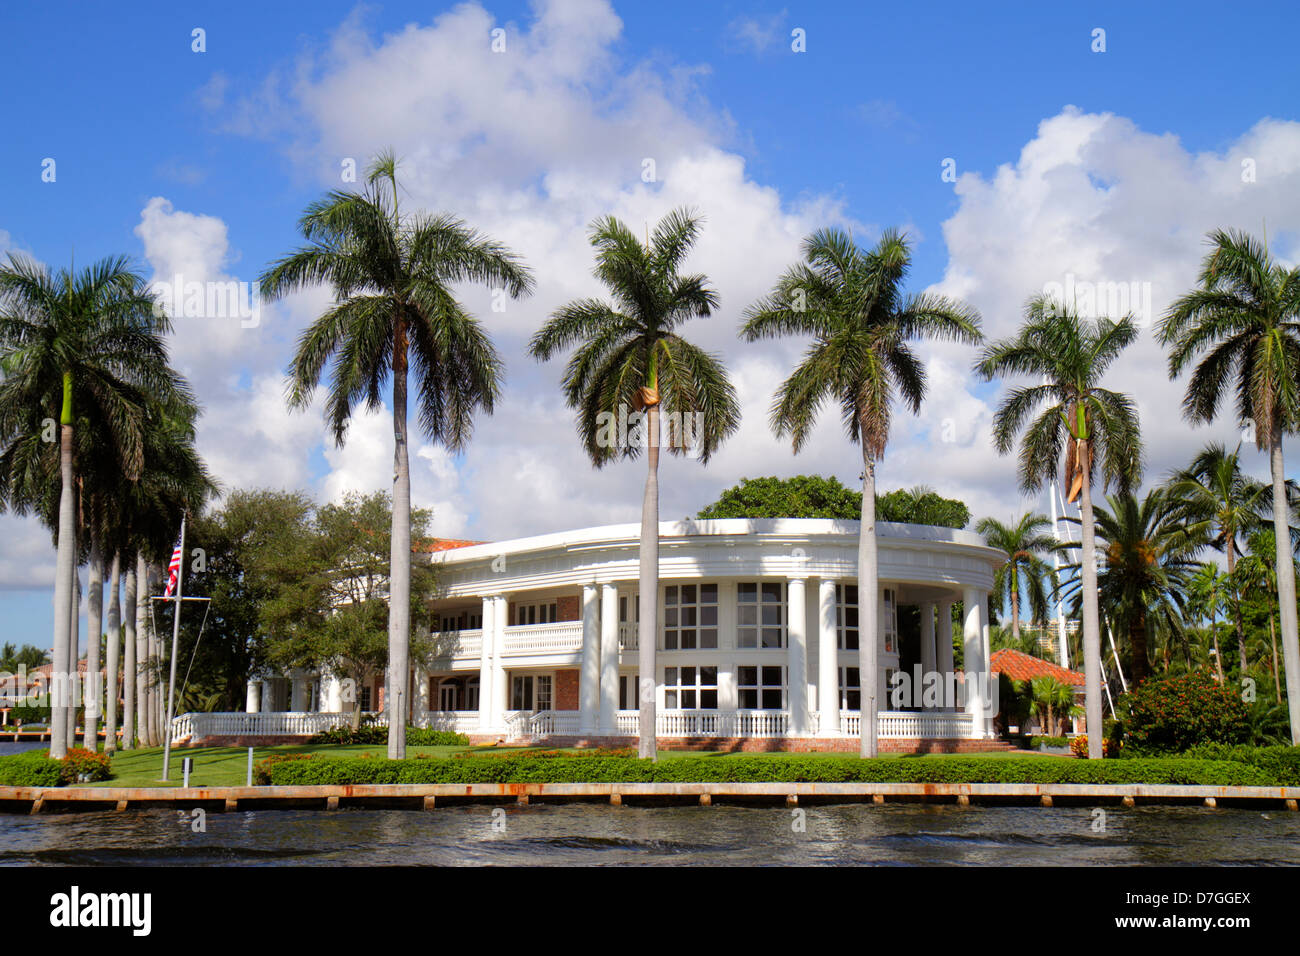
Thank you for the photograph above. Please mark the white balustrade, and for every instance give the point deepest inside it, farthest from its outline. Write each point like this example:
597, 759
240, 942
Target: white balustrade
556, 637
911, 725
453, 645
455, 721
198, 726
627, 636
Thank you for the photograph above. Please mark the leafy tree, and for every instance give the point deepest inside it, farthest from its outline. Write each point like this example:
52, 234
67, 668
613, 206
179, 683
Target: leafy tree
1025, 572
1242, 324
851, 302
922, 505
630, 360
394, 312
1083, 424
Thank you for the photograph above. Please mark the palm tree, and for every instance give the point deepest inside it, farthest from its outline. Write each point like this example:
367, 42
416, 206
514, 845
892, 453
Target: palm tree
84, 349
1257, 569
630, 358
1052, 699
1025, 571
1149, 560
1243, 323
1083, 423
851, 303
1214, 495
1204, 600
394, 312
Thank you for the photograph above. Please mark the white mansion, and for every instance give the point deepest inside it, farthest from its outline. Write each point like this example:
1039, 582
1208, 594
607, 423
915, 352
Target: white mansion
537, 640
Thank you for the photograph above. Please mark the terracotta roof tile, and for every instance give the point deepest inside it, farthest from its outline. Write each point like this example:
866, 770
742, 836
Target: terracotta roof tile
1021, 666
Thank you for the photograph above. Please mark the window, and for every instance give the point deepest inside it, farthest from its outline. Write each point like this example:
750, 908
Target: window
690, 617
627, 695
365, 699
535, 613
624, 601
850, 689
690, 688
457, 620
848, 620
471, 694
761, 688
846, 616
891, 621
760, 614
531, 692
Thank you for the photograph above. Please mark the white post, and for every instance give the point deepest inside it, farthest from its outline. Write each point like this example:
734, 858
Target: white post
975, 668
929, 659
797, 655
828, 661
420, 717
589, 676
609, 655
253, 699
485, 666
944, 649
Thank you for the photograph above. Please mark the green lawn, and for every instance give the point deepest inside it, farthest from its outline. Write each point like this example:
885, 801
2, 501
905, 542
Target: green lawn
228, 766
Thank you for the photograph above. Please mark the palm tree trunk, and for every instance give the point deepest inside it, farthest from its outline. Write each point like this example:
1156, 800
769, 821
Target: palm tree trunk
868, 611
129, 657
77, 698
399, 580
112, 658
1285, 584
648, 626
63, 672
1015, 610
142, 643
1236, 605
94, 629
151, 675
1091, 618
1218, 656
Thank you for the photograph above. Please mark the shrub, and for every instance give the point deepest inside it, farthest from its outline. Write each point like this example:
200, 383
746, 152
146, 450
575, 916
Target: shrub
568, 768
366, 734
1282, 763
84, 766
30, 769
1109, 747
1037, 742
1170, 715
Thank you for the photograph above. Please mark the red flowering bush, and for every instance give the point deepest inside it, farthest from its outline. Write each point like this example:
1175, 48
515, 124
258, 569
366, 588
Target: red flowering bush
1170, 715
1079, 747
82, 766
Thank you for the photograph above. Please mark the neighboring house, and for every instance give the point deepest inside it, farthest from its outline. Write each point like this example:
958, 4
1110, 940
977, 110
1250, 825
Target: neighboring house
1021, 666
758, 637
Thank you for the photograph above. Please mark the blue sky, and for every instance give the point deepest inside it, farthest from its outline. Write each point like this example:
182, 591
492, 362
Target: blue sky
230, 144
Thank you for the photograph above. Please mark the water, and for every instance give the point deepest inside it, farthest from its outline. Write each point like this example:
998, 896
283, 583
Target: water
587, 834
8, 747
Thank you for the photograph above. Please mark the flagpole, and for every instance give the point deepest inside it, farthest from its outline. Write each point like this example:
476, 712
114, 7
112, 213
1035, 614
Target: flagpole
176, 636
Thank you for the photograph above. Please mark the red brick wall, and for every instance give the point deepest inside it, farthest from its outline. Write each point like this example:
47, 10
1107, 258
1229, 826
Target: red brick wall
566, 690
568, 608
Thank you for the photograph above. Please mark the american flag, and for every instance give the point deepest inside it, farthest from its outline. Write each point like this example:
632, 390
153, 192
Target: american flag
173, 569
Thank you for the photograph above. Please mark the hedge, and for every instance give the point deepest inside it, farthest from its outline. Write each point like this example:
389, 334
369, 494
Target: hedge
370, 734
307, 770
34, 768
1281, 763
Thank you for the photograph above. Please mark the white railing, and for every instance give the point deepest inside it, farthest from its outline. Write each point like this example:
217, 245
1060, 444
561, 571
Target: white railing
456, 721
627, 636
911, 725
269, 724
556, 637
449, 645
708, 723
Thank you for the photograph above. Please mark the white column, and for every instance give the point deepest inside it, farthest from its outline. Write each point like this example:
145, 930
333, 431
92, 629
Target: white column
331, 693
485, 667
500, 685
975, 667
420, 710
265, 696
589, 676
797, 655
928, 658
828, 654
298, 694
609, 654
943, 662
253, 702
